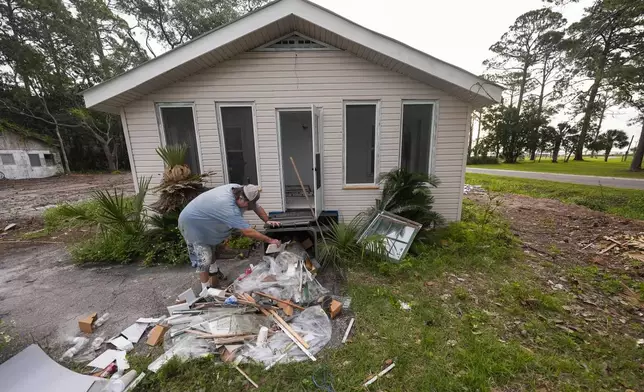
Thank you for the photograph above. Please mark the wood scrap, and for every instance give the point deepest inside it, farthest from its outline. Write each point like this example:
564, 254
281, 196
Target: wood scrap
611, 246
246, 376
377, 376
234, 339
346, 334
280, 300
288, 327
612, 240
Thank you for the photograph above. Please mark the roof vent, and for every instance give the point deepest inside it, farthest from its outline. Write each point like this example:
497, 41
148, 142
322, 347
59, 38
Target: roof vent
294, 42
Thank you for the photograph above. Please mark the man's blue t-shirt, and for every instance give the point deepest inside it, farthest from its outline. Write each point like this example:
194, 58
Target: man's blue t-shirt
209, 218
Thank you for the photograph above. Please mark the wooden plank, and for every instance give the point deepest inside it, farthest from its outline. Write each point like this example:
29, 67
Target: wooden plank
280, 300
346, 334
247, 376
288, 327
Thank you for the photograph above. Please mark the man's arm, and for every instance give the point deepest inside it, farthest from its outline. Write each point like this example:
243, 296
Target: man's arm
261, 213
256, 235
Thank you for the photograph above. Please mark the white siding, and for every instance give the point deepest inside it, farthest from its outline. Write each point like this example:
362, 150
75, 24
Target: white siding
293, 79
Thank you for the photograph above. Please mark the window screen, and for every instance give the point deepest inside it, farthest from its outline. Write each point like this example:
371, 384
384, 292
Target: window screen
239, 140
179, 128
416, 137
360, 134
7, 159
49, 159
34, 160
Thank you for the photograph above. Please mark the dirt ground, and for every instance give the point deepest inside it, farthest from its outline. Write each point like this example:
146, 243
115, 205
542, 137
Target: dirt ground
25, 199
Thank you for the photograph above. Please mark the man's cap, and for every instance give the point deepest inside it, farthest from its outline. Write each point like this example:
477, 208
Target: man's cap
252, 192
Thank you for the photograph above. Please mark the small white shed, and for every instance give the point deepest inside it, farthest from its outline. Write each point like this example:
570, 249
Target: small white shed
293, 79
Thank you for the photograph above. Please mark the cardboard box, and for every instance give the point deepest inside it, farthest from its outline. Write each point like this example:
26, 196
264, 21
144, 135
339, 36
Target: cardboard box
335, 308
307, 243
86, 324
155, 337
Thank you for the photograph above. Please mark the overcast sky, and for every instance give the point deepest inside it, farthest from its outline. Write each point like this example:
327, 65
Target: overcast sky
457, 31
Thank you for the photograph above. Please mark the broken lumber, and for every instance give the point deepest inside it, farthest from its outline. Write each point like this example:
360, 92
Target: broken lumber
611, 246
280, 300
346, 334
287, 326
377, 376
246, 376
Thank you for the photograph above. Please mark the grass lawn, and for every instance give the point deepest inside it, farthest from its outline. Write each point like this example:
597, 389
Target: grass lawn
481, 320
628, 203
589, 166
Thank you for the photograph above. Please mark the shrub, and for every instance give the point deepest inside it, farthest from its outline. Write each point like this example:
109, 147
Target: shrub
108, 248
239, 242
482, 160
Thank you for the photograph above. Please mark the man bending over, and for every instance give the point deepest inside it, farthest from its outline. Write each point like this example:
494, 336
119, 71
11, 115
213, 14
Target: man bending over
209, 219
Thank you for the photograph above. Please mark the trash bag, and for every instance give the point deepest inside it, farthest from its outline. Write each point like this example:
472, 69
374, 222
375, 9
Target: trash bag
313, 325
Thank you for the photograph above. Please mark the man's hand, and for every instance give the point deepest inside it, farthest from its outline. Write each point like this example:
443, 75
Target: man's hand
275, 242
273, 223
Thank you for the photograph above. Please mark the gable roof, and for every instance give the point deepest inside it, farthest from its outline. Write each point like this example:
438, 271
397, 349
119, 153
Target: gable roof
275, 20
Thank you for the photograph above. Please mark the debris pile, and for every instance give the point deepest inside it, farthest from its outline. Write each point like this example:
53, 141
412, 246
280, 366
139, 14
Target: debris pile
631, 246
473, 189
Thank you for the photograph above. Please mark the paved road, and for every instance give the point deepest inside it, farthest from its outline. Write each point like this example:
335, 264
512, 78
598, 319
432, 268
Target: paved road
615, 182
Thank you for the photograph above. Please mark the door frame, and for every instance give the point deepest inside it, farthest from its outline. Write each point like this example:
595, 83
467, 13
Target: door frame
222, 139
178, 104
298, 108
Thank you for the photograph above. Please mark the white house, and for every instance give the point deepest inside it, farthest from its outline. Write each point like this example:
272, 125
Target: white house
23, 156
293, 79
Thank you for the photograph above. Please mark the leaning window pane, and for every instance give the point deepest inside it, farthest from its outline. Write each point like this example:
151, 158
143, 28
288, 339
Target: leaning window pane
398, 233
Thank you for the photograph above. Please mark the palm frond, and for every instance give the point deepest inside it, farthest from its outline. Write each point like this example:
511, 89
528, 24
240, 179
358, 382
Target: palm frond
173, 154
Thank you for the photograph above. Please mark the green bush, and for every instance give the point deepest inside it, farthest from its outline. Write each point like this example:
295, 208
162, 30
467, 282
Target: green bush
108, 248
240, 242
482, 160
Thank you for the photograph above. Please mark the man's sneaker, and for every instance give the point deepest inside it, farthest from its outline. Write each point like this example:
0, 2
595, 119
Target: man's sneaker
220, 275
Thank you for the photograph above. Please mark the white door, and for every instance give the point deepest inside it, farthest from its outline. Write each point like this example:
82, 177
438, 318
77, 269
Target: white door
317, 160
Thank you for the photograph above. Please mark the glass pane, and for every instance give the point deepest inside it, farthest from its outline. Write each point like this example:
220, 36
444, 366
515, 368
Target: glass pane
398, 233
360, 144
7, 159
34, 160
179, 128
239, 139
416, 136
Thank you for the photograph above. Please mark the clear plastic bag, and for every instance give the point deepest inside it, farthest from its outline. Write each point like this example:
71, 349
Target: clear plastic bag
313, 325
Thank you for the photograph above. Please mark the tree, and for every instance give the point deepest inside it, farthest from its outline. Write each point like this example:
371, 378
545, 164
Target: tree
612, 138
504, 125
562, 136
526, 42
547, 136
598, 44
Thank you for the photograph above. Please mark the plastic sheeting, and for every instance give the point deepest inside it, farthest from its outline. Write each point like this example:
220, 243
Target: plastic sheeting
313, 325
282, 277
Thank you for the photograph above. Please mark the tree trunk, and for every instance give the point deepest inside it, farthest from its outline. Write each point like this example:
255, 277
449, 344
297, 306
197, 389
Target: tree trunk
636, 165
625, 158
606, 155
540, 155
555, 150
469, 146
569, 154
590, 106
111, 164
524, 80
478, 135
62, 151
533, 154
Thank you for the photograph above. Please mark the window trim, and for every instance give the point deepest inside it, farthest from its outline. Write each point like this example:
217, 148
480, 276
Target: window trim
53, 159
178, 104
222, 140
376, 153
432, 137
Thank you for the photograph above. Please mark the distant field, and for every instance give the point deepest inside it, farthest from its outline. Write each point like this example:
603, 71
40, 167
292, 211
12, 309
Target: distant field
589, 167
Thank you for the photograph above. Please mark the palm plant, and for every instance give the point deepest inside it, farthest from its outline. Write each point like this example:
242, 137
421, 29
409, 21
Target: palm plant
408, 194
341, 243
116, 213
179, 185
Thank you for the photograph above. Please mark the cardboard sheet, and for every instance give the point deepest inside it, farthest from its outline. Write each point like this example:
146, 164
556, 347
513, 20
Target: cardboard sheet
33, 370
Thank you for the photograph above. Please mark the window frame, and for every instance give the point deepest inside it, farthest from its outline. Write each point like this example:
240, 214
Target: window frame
53, 159
432, 136
37, 154
222, 139
160, 105
376, 152
12, 158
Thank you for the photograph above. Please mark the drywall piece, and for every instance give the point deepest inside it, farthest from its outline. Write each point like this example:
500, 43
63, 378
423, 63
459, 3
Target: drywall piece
135, 382
122, 343
188, 296
121, 362
149, 320
33, 370
272, 248
103, 360
134, 332
174, 308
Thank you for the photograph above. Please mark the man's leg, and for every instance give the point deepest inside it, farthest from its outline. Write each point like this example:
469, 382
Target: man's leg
201, 258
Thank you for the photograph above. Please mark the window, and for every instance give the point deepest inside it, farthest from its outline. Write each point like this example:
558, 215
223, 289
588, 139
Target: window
397, 234
34, 160
178, 123
416, 136
360, 143
7, 159
49, 160
239, 143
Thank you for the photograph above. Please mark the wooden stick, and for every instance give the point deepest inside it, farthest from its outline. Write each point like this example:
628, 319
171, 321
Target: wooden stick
377, 376
246, 375
307, 200
280, 300
346, 334
611, 246
235, 339
288, 327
